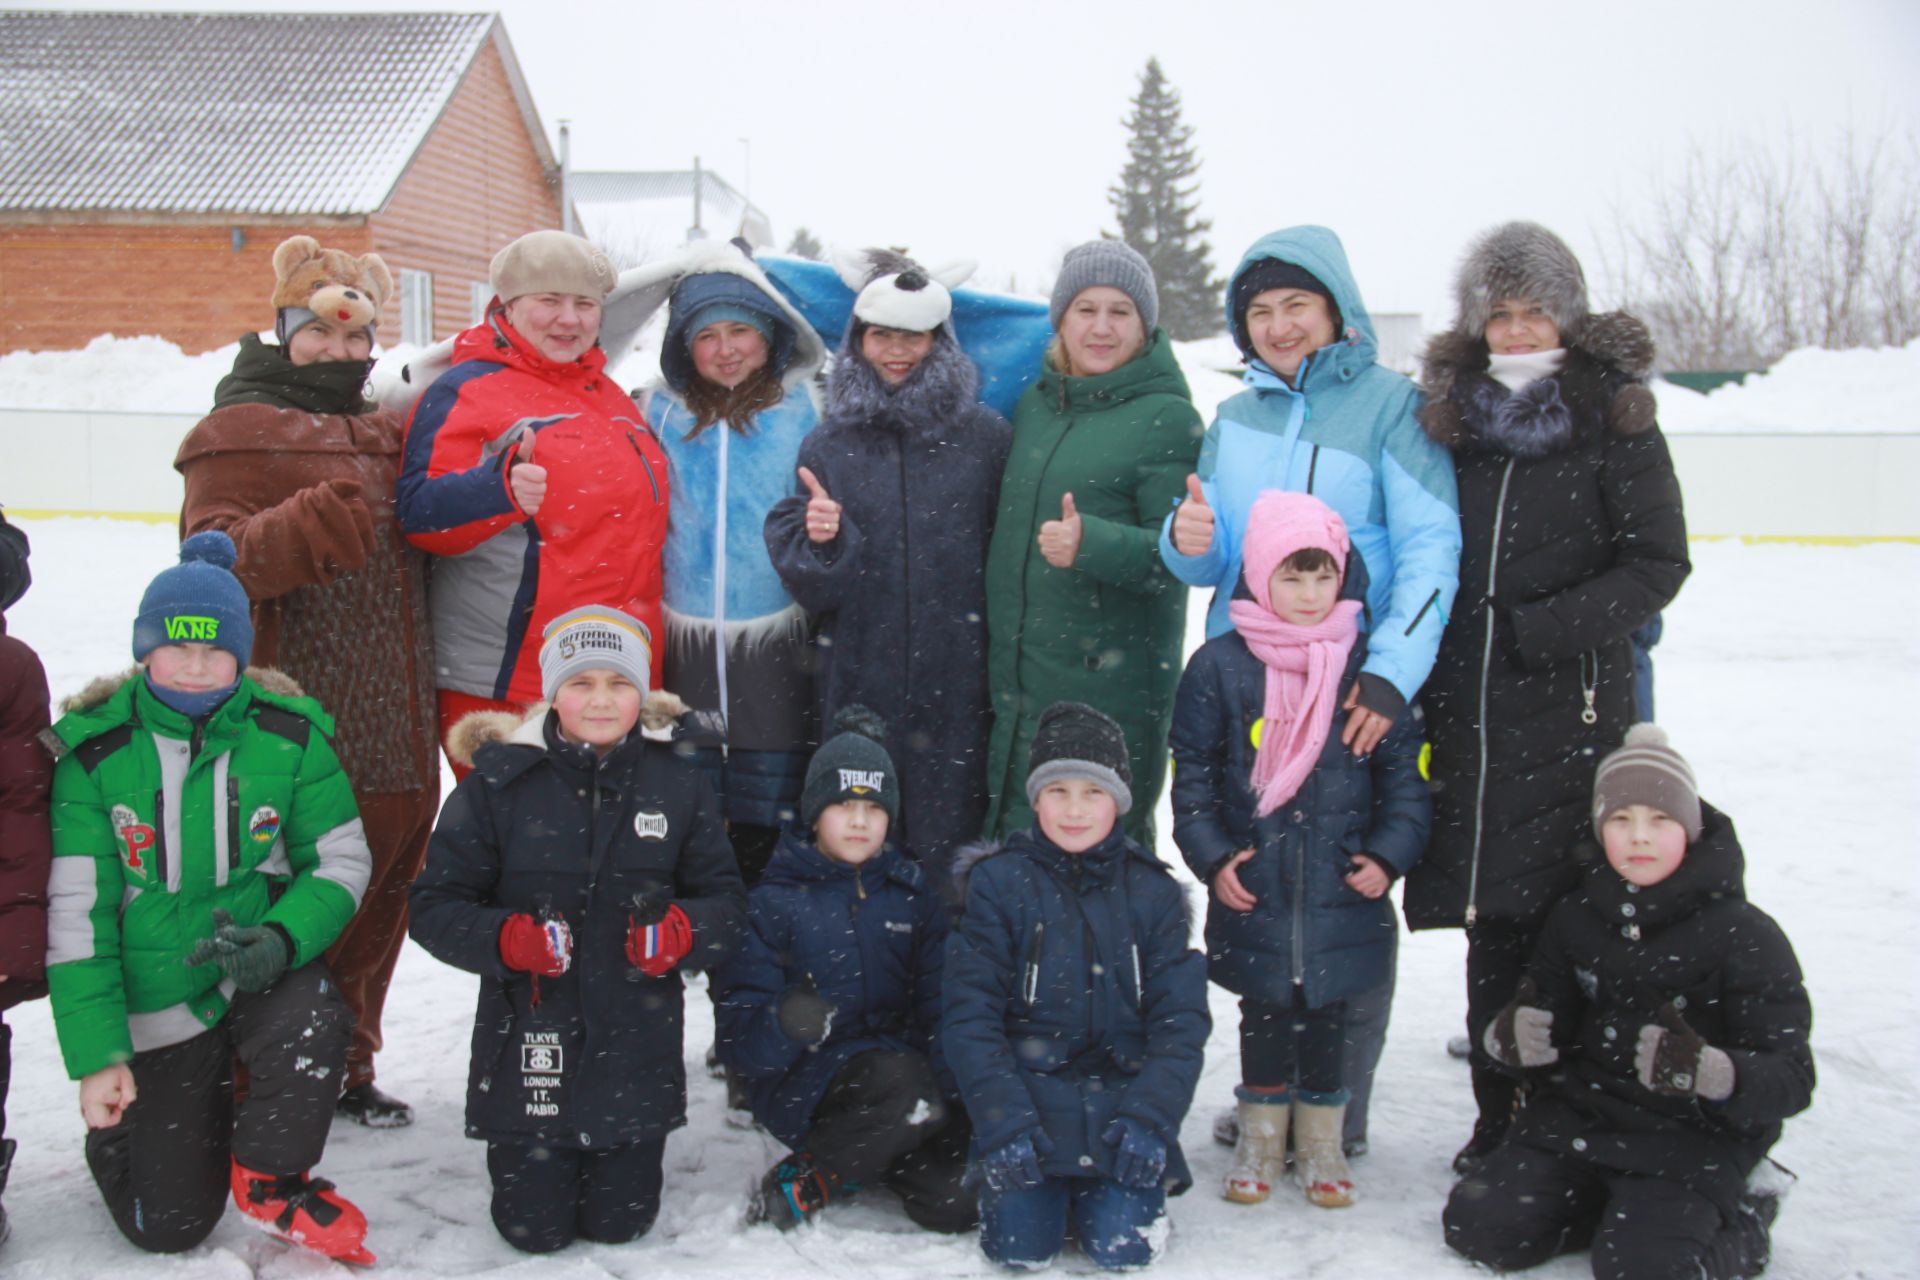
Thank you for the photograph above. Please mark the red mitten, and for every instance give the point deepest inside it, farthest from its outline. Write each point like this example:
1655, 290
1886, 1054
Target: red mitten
654, 949
544, 949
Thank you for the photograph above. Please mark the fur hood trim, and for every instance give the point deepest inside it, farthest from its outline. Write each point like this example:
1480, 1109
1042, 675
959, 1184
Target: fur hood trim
965, 858
100, 688
658, 716
1617, 342
934, 397
642, 291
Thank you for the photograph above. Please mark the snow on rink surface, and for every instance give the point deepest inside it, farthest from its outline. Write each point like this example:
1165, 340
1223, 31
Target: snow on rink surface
1790, 676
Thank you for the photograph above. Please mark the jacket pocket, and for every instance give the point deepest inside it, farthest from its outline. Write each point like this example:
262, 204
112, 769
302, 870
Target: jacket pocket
1030, 966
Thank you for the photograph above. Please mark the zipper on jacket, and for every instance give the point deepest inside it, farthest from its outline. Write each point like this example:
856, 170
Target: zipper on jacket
1589, 686
1030, 984
1313, 465
1486, 663
1423, 611
1300, 911
1139, 993
645, 466
233, 824
160, 836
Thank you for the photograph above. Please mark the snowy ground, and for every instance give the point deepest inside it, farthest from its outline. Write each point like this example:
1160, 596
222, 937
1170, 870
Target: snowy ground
1800, 722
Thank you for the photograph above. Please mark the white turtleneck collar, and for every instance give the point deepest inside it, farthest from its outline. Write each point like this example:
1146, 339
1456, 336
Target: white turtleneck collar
1515, 372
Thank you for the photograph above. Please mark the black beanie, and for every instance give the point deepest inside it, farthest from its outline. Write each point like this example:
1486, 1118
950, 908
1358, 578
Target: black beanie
1271, 273
851, 765
1076, 741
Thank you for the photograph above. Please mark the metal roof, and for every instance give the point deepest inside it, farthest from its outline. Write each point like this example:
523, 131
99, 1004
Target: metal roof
227, 113
647, 211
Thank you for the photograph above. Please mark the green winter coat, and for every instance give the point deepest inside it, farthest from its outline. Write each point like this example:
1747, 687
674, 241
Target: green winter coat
1108, 631
155, 824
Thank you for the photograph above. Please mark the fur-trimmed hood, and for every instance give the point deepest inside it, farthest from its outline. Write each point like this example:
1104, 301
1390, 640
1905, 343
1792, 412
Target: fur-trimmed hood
643, 290
935, 395
1609, 359
658, 716
97, 690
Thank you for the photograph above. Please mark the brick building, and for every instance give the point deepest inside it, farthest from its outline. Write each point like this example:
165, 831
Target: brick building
154, 161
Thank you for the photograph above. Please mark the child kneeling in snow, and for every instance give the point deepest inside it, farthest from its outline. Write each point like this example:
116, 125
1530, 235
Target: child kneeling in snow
1076, 1013
829, 1010
206, 851
1665, 1024
574, 869
1298, 839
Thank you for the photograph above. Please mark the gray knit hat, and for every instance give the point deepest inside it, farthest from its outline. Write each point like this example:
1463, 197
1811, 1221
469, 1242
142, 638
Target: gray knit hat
1111, 263
1074, 740
1645, 770
594, 636
551, 262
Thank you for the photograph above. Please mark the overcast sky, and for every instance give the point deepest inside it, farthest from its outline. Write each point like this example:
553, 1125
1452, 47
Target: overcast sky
992, 130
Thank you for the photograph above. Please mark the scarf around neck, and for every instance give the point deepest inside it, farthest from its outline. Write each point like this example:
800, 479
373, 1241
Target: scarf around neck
1515, 372
1304, 666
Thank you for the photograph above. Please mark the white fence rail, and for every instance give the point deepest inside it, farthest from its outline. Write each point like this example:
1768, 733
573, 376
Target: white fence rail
1770, 484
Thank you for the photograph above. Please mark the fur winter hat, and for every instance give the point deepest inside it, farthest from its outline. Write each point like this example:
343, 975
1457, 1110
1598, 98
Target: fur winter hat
895, 292
310, 283
1076, 741
551, 262
1282, 523
594, 636
853, 764
197, 601
1520, 260
1646, 770
1112, 263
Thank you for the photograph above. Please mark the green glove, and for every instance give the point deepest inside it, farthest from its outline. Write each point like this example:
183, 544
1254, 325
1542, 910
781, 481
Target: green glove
253, 957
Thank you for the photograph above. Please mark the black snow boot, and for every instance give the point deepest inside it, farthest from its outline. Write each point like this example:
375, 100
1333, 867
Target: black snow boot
364, 1104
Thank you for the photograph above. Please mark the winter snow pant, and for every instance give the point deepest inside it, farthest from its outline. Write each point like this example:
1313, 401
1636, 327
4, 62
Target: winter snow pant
1119, 1227
1497, 955
1525, 1206
456, 706
883, 1121
164, 1169
363, 956
544, 1198
1366, 1039
1290, 1044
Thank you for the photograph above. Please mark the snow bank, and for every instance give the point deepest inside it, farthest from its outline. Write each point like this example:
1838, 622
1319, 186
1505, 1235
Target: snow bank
1869, 389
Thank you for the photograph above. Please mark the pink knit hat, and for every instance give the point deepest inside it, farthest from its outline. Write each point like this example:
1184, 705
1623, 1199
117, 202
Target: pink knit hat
1281, 524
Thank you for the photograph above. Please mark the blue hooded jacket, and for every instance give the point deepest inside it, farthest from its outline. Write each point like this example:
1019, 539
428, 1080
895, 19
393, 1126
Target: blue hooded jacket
870, 938
1346, 435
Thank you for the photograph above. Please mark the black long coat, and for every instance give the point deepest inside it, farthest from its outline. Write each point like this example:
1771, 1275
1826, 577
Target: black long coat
1572, 536
591, 1059
1609, 957
901, 592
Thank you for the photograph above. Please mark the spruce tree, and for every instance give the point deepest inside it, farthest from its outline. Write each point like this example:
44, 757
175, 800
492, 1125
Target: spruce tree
1156, 203
806, 245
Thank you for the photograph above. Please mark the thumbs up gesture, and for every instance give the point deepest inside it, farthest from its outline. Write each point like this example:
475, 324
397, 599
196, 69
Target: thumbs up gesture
823, 513
527, 482
1060, 539
1193, 522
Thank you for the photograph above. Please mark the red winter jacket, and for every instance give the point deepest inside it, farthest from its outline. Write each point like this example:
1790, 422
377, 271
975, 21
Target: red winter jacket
503, 576
26, 773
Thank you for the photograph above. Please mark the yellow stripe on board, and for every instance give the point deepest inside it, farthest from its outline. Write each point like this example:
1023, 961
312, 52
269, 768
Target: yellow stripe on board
138, 517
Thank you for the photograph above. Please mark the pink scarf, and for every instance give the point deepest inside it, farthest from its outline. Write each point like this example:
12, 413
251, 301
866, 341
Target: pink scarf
1304, 666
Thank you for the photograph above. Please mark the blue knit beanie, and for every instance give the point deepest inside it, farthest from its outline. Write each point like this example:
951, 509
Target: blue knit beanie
720, 312
198, 600
708, 296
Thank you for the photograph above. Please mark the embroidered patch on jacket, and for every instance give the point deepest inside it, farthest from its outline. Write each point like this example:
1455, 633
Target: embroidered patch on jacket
264, 826
136, 837
650, 824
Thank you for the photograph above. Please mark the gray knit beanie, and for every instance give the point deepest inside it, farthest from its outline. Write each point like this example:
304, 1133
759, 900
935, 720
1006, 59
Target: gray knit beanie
1074, 740
594, 636
1645, 770
1111, 263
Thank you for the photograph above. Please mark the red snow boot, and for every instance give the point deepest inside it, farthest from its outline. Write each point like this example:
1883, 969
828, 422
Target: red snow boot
305, 1211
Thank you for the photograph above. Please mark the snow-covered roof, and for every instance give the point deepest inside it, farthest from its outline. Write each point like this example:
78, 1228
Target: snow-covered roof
228, 113
639, 214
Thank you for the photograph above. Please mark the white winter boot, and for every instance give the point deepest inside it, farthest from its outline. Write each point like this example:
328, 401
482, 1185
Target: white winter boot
1259, 1157
1318, 1159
